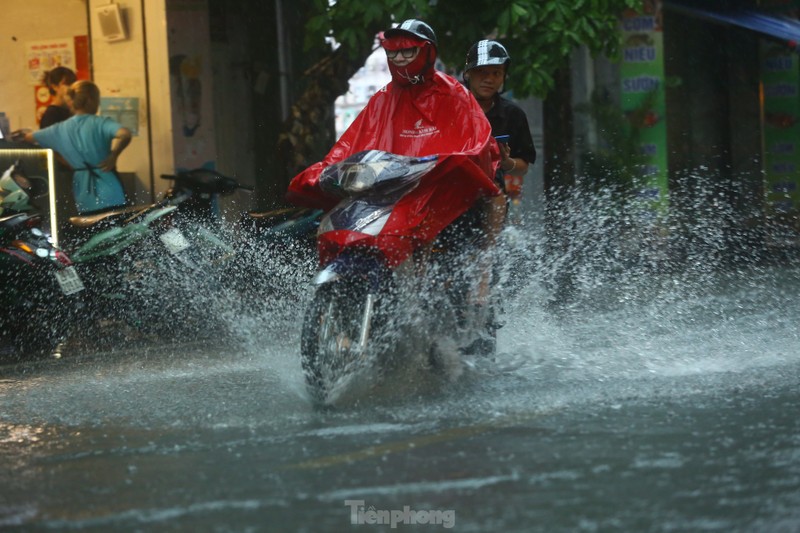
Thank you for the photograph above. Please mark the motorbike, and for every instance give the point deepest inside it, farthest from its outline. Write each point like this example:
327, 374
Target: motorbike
392, 297
151, 264
190, 204
40, 287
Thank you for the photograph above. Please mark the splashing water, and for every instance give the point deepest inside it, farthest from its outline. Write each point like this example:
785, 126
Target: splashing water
616, 301
661, 364
621, 298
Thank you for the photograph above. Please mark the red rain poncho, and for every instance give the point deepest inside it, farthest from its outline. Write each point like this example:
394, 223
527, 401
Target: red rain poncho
436, 117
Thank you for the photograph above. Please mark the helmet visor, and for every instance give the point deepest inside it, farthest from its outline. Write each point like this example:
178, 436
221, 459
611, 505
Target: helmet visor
402, 42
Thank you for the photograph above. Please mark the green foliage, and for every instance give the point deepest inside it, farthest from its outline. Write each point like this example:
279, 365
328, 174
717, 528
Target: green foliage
354, 23
539, 35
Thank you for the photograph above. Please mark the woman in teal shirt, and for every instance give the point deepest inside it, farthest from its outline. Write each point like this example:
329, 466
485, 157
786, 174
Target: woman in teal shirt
91, 145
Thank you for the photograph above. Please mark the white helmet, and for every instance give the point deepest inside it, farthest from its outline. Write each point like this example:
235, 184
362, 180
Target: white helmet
487, 52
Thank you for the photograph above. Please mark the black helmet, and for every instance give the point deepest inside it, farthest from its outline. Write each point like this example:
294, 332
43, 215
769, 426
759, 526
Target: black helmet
487, 52
414, 27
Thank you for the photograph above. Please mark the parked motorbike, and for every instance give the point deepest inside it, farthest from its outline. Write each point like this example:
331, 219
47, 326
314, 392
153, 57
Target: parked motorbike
153, 264
39, 285
186, 212
279, 251
387, 298
295, 225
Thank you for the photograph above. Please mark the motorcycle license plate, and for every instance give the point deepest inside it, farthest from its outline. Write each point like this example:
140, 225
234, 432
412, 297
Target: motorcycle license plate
69, 281
174, 241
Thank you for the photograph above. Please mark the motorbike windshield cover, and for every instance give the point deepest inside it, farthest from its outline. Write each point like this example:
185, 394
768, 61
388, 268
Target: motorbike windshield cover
374, 172
439, 117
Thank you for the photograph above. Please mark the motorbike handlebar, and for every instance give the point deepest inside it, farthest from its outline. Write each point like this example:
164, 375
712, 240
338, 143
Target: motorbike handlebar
207, 181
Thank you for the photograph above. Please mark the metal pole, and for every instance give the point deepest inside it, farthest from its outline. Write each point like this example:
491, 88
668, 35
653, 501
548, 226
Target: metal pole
283, 70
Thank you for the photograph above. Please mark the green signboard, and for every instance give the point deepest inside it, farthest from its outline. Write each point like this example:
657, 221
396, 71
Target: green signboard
643, 97
780, 78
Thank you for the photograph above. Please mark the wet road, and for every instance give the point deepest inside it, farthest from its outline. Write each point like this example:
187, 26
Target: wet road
666, 406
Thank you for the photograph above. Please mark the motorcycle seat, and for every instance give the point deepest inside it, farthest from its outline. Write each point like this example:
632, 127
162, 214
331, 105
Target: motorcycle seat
87, 221
13, 220
277, 215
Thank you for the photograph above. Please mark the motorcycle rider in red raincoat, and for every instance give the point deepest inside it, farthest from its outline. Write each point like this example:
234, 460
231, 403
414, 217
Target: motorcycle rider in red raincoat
420, 112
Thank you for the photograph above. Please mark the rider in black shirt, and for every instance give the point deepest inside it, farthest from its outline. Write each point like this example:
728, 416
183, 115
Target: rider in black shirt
485, 74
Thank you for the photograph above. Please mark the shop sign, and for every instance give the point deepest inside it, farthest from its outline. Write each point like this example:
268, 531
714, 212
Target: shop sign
780, 80
642, 81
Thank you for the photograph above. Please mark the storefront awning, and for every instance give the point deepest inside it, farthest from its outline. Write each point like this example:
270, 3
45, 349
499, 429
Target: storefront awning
776, 26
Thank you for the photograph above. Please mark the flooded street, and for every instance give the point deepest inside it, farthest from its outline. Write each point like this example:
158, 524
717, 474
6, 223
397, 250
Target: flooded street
670, 405
208, 205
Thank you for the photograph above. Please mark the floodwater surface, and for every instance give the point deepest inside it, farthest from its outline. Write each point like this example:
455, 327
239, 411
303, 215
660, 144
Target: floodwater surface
664, 403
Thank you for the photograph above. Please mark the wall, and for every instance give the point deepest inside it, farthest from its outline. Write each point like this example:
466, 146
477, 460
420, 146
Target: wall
192, 86
22, 22
232, 68
715, 120
125, 69
162, 158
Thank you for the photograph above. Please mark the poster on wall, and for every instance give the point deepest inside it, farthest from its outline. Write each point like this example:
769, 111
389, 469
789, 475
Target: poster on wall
125, 111
643, 95
780, 78
42, 56
39, 61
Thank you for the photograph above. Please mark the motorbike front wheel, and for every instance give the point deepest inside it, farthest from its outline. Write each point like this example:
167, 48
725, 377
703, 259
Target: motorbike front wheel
339, 339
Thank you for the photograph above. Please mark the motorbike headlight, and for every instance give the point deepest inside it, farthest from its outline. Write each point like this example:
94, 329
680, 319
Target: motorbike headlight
358, 178
42, 252
325, 225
